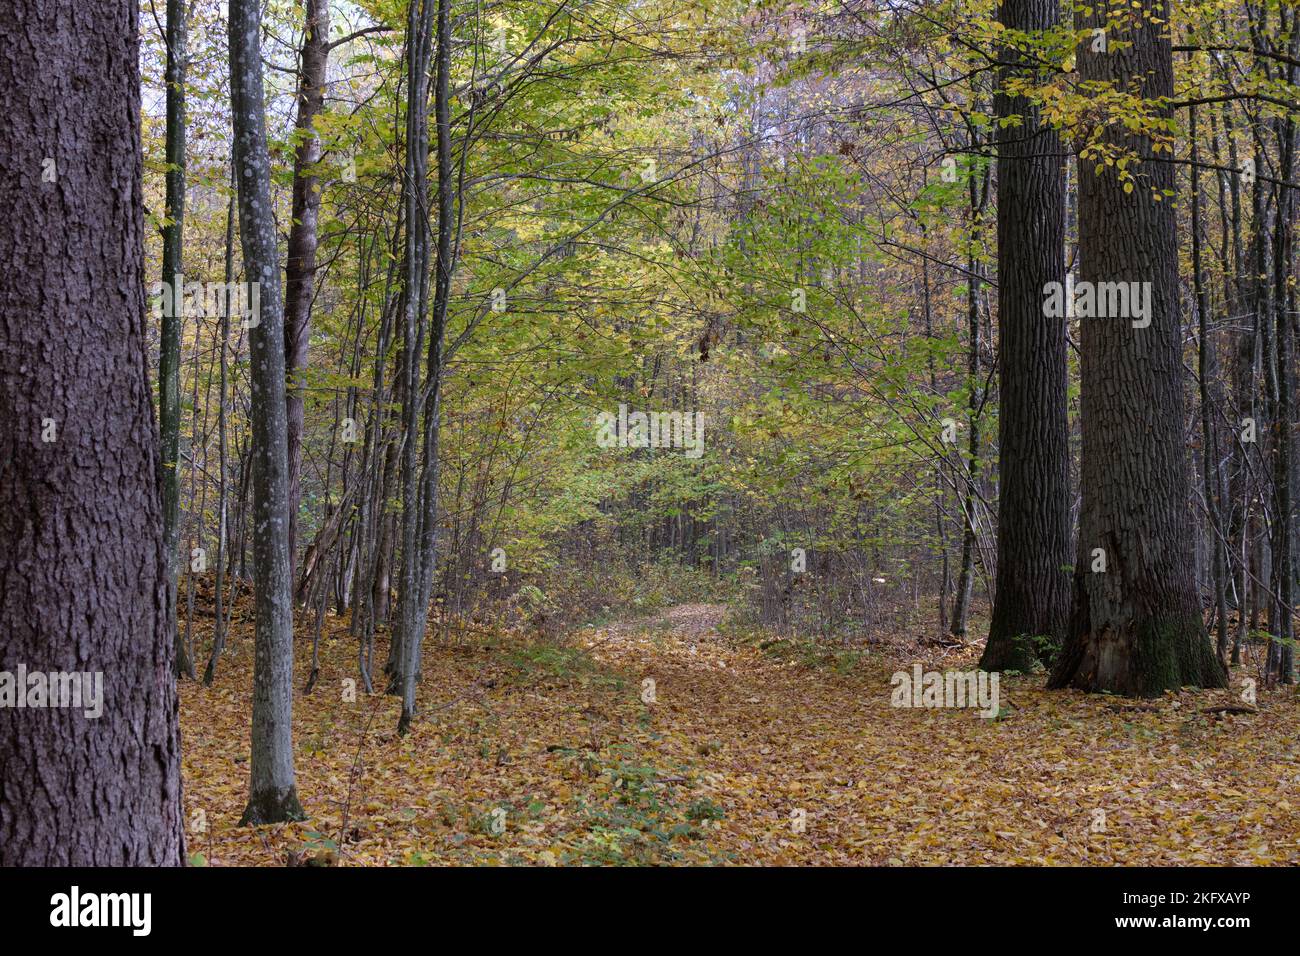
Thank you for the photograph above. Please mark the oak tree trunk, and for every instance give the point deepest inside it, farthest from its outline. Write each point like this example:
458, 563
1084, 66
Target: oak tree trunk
1032, 596
1136, 627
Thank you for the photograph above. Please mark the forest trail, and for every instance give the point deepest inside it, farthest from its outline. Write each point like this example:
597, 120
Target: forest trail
554, 752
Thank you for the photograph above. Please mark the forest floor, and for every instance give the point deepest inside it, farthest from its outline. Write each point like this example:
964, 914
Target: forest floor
745, 751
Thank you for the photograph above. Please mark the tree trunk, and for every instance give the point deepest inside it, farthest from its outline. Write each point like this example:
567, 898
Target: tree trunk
83, 572
1211, 398
272, 796
403, 665
223, 451
169, 356
300, 261
978, 190
1281, 651
1032, 595
444, 266
1136, 627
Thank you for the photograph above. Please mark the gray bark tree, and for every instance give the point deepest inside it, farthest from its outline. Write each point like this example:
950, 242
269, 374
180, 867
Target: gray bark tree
273, 795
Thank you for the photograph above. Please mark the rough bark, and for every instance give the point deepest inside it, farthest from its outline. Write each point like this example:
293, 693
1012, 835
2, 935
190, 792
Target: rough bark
83, 574
273, 795
1136, 629
1032, 596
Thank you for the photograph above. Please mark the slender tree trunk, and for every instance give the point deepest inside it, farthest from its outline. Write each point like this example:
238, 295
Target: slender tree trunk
373, 510
273, 795
444, 266
219, 630
198, 499
169, 361
300, 262
1210, 400
402, 657
1282, 653
1236, 513
83, 569
1136, 628
978, 194
1032, 595
1258, 403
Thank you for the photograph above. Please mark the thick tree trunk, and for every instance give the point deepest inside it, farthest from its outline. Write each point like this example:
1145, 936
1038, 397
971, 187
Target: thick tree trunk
1136, 627
1032, 596
300, 262
83, 573
272, 795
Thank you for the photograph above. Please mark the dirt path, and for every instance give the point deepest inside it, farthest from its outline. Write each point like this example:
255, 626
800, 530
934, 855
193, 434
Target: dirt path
546, 753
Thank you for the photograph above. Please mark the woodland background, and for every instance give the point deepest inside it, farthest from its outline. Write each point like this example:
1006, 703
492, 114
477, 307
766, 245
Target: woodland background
825, 227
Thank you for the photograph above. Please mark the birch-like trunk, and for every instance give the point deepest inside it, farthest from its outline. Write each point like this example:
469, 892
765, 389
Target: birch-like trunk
273, 795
